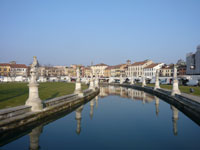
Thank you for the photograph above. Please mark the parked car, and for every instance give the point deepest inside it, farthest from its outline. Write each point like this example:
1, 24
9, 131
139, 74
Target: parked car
192, 83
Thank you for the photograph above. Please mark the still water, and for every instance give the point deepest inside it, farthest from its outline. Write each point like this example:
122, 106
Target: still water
119, 118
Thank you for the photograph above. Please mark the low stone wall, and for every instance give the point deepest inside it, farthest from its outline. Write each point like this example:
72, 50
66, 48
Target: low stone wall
15, 117
188, 106
14, 111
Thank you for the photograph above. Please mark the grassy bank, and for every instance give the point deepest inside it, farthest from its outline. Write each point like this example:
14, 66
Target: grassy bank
184, 89
15, 94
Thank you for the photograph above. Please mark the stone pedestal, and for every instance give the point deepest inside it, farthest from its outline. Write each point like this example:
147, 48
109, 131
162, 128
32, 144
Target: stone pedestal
78, 89
34, 99
132, 81
175, 88
121, 80
157, 83
97, 83
143, 82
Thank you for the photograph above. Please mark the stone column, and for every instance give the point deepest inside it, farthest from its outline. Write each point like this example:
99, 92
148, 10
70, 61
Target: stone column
78, 118
132, 81
34, 138
174, 119
175, 89
34, 99
96, 81
91, 86
91, 108
78, 89
121, 79
157, 105
157, 83
143, 81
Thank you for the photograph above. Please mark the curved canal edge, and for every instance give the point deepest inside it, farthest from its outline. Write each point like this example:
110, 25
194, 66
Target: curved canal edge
190, 107
16, 117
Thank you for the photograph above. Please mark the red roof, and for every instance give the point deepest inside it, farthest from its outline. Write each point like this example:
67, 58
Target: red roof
140, 63
101, 64
151, 65
14, 65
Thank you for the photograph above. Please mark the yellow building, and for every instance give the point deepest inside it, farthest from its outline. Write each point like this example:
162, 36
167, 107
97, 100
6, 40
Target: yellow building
5, 69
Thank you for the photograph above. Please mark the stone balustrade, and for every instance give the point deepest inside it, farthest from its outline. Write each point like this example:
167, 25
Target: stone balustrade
14, 111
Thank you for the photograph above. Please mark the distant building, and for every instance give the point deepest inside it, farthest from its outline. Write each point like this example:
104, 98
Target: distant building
181, 70
167, 70
87, 71
137, 69
150, 70
12, 69
118, 70
99, 69
107, 72
193, 62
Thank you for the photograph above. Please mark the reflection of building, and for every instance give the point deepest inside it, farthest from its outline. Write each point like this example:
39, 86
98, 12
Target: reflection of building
34, 138
78, 118
193, 62
126, 93
174, 119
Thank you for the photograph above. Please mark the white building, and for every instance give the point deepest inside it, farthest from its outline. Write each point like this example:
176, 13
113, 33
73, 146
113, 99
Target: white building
18, 70
150, 70
137, 69
99, 69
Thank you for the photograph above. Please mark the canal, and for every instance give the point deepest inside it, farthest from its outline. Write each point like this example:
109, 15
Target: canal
118, 118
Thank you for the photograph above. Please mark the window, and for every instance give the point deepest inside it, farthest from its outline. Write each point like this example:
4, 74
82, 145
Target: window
5, 69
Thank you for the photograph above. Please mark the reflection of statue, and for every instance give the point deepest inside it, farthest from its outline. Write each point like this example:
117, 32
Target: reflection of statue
78, 118
34, 99
34, 138
174, 119
157, 105
96, 101
91, 108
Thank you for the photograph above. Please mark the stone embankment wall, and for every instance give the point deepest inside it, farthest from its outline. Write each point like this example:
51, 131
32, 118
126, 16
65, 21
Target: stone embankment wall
189, 107
15, 117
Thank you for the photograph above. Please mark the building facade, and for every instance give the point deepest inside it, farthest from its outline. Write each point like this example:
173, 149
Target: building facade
167, 70
137, 69
193, 62
150, 70
99, 69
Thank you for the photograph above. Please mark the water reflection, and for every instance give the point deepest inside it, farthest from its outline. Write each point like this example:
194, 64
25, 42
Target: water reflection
174, 119
126, 93
91, 108
131, 94
157, 104
78, 118
34, 137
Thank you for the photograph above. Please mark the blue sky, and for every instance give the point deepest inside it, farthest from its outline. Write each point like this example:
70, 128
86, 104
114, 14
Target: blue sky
64, 32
